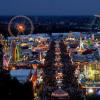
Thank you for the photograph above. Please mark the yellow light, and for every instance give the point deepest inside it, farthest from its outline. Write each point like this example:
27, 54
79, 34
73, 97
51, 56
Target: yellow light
35, 94
13, 68
90, 91
91, 73
20, 27
24, 44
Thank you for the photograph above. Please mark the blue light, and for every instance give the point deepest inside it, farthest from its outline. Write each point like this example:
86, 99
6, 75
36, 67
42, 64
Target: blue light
98, 92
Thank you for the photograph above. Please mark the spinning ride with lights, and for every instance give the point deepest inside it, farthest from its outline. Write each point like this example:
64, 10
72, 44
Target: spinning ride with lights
20, 25
81, 48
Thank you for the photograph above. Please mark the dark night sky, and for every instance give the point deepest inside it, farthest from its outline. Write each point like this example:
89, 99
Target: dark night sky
49, 7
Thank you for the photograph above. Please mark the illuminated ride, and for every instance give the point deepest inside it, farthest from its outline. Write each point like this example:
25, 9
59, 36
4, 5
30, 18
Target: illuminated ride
14, 55
20, 25
81, 48
89, 77
86, 46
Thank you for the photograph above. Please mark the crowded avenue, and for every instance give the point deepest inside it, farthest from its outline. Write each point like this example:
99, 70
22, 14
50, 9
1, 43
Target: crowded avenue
59, 74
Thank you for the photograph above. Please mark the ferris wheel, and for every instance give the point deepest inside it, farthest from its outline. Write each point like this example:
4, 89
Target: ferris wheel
20, 25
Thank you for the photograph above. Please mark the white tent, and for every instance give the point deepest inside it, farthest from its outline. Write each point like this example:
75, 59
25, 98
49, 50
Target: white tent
21, 75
